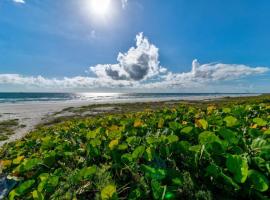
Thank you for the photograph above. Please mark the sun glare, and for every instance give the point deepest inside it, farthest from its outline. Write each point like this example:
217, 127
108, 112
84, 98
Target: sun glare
100, 7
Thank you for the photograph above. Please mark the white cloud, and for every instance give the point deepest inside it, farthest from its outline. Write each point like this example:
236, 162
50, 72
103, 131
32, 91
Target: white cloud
67, 83
18, 1
139, 63
202, 75
139, 68
219, 71
124, 3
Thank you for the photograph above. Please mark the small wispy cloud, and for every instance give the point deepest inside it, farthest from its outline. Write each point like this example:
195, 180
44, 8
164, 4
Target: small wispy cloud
93, 34
124, 3
19, 1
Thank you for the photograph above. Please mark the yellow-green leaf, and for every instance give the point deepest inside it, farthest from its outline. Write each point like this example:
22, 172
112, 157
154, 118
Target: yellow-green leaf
37, 195
113, 144
18, 160
160, 123
202, 123
260, 121
108, 192
230, 121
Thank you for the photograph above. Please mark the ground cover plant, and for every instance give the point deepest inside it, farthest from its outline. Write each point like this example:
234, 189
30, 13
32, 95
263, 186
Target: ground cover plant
186, 152
7, 128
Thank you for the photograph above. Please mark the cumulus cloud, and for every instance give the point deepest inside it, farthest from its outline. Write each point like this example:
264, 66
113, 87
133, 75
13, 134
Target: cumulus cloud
138, 63
139, 68
19, 1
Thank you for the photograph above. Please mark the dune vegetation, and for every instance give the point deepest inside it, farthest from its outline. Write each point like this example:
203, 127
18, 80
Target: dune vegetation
186, 151
7, 128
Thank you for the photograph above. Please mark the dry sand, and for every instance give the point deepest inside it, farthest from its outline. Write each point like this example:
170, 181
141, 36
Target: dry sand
31, 114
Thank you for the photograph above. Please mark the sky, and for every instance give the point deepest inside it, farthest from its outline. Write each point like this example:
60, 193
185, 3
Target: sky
134, 45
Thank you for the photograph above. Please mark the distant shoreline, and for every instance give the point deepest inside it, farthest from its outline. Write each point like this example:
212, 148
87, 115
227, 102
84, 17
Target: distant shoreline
24, 98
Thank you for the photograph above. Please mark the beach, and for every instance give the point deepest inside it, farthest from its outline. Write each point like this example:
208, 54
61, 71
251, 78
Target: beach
32, 113
64, 136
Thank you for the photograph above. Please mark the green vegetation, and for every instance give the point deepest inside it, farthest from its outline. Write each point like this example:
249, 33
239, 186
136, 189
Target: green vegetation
7, 128
181, 152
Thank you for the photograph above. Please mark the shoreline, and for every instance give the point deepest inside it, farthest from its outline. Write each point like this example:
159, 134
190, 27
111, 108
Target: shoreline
32, 114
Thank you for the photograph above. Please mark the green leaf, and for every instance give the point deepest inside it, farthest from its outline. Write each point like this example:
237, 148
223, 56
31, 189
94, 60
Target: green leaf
258, 180
229, 135
43, 176
154, 173
178, 181
37, 195
208, 137
131, 140
172, 138
258, 143
95, 142
213, 170
183, 146
238, 166
47, 142
174, 125
262, 147
260, 121
230, 121
43, 181
28, 164
267, 132
18, 160
108, 192
87, 172
21, 189
126, 158
195, 148
187, 129
53, 181
49, 159
157, 190
138, 152
92, 134
135, 194
216, 172
260, 162
169, 195
122, 146
151, 140
149, 154
226, 110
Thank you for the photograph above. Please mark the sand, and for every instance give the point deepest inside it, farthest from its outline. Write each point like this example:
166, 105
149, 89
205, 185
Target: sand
31, 114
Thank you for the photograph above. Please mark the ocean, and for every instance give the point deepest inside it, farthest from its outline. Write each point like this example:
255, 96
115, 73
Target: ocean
109, 97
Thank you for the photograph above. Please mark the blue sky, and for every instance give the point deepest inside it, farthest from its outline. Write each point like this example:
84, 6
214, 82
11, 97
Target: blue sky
73, 45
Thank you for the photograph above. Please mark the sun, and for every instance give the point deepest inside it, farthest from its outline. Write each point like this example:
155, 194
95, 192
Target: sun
100, 7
